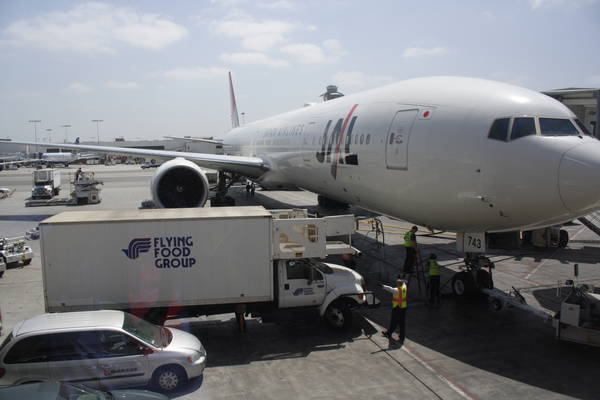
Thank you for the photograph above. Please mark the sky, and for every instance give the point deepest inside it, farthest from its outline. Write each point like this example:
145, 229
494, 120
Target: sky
150, 68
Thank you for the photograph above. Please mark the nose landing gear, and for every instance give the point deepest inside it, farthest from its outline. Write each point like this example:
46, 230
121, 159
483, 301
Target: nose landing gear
474, 276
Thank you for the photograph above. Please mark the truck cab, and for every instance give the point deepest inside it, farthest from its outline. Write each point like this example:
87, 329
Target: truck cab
46, 183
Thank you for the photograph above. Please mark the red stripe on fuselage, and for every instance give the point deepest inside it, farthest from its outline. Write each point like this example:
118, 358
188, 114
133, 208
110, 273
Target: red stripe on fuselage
340, 141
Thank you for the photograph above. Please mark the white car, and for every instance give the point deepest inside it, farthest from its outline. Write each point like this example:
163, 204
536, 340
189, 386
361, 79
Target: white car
102, 349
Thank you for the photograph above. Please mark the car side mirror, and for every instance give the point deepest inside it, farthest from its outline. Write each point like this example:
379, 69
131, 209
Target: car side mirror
145, 350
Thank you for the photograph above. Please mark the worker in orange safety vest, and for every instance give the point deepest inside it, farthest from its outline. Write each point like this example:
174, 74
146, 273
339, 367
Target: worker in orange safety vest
399, 305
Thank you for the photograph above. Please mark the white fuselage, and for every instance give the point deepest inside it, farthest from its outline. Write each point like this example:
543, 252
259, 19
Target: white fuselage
419, 150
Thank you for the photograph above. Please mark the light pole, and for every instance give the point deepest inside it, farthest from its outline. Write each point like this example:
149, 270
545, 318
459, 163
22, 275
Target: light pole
49, 130
97, 121
66, 131
35, 122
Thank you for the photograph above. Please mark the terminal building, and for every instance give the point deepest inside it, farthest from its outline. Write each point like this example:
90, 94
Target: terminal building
175, 144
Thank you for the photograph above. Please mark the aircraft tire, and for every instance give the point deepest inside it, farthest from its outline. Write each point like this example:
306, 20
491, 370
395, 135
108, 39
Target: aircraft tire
563, 238
462, 284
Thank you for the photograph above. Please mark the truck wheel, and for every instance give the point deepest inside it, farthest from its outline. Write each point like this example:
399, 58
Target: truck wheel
1, 274
462, 284
338, 315
563, 238
169, 378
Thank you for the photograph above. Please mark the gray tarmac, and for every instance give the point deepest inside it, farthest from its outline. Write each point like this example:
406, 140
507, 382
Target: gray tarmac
461, 350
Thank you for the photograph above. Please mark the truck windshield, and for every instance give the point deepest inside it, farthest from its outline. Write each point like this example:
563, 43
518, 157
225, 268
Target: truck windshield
149, 333
324, 268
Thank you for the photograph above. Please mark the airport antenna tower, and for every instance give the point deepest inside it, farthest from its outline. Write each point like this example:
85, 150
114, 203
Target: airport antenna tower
97, 121
35, 122
67, 126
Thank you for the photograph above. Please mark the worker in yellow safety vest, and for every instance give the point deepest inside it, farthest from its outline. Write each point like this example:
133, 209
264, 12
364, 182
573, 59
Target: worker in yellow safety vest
410, 245
434, 281
399, 305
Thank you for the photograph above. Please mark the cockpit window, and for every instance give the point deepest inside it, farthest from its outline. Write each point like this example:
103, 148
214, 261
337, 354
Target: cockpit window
524, 126
499, 129
583, 128
557, 127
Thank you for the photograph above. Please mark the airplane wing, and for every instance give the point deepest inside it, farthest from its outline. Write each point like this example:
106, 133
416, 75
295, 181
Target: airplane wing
192, 139
248, 166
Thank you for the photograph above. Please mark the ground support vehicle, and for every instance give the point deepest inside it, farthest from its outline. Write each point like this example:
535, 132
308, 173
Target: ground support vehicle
14, 251
169, 263
579, 316
46, 183
86, 189
2, 269
103, 348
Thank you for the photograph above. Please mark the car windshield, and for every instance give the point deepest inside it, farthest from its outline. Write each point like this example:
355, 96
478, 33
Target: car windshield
68, 391
149, 333
557, 127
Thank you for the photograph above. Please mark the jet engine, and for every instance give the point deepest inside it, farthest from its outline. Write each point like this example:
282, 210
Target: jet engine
179, 183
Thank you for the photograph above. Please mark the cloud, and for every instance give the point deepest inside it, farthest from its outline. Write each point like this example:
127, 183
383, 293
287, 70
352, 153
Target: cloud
122, 85
278, 5
330, 51
253, 58
416, 52
254, 35
94, 27
537, 4
192, 73
79, 87
360, 80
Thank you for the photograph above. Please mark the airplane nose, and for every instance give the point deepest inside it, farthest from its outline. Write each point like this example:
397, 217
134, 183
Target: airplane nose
579, 178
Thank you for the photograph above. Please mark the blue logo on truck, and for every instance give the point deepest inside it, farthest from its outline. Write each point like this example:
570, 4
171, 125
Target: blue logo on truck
168, 251
137, 246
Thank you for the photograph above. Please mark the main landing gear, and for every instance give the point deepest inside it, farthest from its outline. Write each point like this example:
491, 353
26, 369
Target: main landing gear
476, 275
221, 199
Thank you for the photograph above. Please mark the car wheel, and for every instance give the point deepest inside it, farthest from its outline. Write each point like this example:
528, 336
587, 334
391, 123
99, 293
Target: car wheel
338, 315
27, 262
168, 379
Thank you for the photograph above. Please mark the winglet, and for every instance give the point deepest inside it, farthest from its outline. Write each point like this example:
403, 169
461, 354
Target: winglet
235, 120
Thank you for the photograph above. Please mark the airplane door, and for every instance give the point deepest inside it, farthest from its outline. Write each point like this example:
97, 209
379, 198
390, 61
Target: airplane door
396, 147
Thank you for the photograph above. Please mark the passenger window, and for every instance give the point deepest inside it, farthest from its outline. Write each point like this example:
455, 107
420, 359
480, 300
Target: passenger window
368, 140
362, 139
557, 127
392, 138
522, 127
499, 129
297, 269
117, 344
583, 128
28, 350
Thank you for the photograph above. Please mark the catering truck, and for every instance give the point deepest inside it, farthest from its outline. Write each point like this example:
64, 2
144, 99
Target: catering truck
46, 183
172, 263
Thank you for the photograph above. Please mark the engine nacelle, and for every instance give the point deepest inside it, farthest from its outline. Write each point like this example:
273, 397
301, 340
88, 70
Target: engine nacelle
179, 183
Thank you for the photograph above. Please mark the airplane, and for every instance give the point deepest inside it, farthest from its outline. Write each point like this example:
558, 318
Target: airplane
64, 158
458, 154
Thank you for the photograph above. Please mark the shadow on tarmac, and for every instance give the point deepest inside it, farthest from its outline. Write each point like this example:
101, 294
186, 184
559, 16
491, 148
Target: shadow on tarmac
509, 344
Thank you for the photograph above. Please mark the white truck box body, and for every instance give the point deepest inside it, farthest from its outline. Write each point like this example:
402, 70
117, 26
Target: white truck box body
113, 259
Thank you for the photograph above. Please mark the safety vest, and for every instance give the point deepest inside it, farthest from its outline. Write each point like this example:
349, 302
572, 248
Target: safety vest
408, 239
434, 268
399, 299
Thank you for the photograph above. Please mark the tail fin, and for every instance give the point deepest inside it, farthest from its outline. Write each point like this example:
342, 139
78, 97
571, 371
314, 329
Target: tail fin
235, 120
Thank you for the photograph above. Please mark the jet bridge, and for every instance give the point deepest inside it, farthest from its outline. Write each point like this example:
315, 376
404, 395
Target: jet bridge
592, 221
